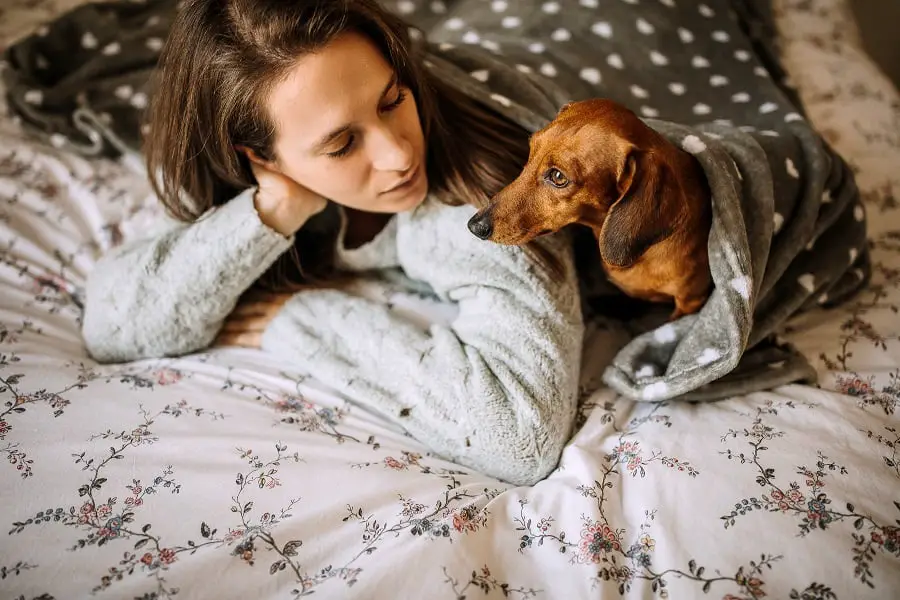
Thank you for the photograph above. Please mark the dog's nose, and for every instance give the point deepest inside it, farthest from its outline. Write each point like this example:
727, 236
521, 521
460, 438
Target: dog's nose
481, 225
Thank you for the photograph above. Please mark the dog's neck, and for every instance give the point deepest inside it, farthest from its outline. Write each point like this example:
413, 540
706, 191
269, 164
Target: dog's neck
593, 217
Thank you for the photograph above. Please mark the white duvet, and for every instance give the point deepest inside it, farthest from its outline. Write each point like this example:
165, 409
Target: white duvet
220, 475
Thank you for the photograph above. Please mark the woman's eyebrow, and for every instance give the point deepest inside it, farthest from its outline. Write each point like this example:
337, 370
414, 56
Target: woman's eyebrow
333, 135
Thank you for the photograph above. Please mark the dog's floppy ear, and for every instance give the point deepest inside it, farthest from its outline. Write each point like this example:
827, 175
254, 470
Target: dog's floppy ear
639, 218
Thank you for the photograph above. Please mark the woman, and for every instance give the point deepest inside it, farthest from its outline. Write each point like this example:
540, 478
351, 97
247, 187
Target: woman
266, 114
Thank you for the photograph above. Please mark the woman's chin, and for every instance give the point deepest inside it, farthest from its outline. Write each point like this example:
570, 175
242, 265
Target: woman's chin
414, 198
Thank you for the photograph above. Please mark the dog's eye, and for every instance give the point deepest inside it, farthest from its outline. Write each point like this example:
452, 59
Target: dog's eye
556, 178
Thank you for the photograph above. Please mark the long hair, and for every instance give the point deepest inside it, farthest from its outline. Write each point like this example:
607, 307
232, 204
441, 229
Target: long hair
221, 61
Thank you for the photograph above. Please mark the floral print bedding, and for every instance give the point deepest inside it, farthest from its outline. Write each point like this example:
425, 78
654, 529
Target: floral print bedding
225, 475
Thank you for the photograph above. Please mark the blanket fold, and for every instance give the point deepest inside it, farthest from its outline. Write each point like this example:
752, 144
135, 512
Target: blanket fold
767, 261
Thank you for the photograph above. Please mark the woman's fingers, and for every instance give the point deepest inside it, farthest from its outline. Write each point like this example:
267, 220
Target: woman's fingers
260, 304
246, 310
248, 323
244, 339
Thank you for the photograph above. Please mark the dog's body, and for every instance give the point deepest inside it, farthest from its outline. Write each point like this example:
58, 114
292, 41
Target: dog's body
646, 201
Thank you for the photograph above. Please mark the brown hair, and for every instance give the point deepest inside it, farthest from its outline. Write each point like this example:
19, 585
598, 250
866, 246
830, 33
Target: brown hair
222, 58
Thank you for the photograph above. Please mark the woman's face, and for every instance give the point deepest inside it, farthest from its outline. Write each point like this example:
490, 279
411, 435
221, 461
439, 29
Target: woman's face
348, 131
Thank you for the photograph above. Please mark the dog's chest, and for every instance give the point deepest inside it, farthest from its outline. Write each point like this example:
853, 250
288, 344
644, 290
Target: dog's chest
644, 279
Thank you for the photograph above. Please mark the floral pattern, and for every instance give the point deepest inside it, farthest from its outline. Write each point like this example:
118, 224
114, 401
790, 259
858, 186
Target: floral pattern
216, 474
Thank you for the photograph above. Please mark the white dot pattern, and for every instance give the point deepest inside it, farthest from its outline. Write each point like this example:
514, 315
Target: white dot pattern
711, 57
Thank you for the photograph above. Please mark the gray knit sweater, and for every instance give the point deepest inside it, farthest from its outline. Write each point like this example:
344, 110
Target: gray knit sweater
495, 390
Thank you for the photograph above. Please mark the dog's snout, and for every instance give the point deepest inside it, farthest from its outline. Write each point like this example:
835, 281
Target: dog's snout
481, 225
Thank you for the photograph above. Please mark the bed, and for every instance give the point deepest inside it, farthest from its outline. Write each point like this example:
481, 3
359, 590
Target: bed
223, 474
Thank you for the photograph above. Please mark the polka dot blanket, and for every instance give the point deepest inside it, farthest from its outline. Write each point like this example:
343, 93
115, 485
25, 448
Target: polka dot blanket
788, 228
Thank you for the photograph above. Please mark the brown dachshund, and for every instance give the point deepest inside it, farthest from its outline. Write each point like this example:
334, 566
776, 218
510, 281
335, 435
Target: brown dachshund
646, 201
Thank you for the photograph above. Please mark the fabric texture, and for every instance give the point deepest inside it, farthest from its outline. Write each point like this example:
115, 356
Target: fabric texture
235, 476
792, 236
229, 474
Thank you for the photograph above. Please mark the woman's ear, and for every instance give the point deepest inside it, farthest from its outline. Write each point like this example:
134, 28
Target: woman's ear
637, 220
255, 158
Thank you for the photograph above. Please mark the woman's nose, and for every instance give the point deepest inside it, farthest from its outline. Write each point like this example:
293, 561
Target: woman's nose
391, 151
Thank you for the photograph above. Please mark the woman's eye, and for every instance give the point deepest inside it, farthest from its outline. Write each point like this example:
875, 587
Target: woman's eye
346, 148
401, 96
556, 178
343, 150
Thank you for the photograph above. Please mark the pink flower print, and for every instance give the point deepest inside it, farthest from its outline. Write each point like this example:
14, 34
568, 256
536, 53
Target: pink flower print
103, 511
818, 511
136, 489
466, 519
289, 403
754, 587
86, 513
167, 376
795, 496
596, 540
49, 283
4, 427
167, 556
268, 482
234, 534
112, 528
147, 559
393, 463
777, 496
629, 454
854, 386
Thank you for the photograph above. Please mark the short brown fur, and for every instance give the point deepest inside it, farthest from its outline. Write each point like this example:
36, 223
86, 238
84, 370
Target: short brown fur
646, 201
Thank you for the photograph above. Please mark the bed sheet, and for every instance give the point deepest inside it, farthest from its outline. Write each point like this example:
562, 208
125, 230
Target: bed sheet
224, 475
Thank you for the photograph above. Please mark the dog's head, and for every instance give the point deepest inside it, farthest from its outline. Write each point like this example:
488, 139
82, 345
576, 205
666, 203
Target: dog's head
596, 164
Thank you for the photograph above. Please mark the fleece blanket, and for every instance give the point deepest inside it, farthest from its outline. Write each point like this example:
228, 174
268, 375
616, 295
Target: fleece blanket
788, 232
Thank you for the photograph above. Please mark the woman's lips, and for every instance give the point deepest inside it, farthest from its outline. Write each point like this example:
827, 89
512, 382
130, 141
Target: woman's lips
405, 183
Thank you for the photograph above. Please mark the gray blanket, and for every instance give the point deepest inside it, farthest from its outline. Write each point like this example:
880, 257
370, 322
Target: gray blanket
788, 232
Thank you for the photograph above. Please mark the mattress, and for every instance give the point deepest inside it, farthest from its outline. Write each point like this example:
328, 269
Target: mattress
224, 475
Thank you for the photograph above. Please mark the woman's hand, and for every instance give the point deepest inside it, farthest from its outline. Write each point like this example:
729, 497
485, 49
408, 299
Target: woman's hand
282, 204
245, 325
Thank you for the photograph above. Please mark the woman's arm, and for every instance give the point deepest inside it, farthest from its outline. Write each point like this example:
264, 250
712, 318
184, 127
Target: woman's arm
496, 389
169, 294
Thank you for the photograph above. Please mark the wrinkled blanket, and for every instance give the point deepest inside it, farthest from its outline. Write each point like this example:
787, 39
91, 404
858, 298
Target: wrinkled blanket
788, 232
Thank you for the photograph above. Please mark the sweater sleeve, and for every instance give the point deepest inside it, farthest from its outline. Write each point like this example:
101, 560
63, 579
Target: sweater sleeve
496, 389
169, 294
